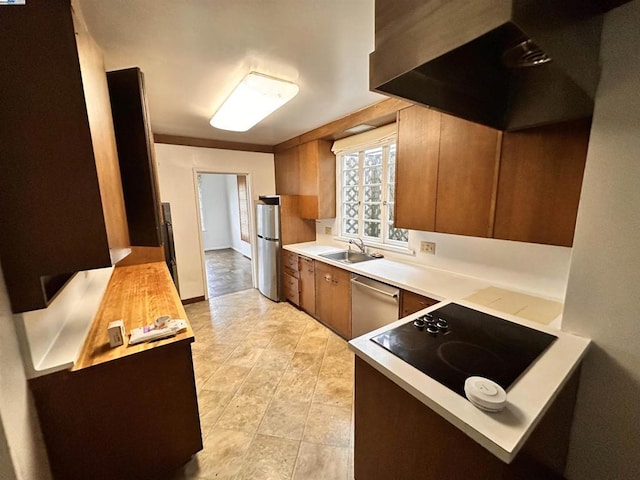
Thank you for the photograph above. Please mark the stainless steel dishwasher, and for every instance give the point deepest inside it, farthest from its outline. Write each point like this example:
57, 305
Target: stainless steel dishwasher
373, 305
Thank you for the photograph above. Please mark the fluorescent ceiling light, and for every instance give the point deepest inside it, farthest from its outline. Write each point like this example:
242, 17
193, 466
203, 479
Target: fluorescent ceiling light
256, 97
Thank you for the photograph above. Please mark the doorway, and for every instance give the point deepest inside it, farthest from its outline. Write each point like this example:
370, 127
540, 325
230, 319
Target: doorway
224, 202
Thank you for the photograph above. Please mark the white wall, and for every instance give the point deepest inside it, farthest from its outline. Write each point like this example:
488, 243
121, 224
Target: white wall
603, 294
22, 451
238, 244
216, 232
176, 170
541, 269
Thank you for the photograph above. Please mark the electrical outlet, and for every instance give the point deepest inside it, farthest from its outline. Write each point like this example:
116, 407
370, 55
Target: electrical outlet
328, 231
428, 247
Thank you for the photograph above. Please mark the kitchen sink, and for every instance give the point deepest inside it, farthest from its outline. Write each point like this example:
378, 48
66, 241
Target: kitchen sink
346, 256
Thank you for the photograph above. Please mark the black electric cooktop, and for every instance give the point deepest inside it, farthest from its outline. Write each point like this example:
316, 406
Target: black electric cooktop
454, 342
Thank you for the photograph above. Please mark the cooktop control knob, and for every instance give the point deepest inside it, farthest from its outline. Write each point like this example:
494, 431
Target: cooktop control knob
432, 329
419, 323
442, 324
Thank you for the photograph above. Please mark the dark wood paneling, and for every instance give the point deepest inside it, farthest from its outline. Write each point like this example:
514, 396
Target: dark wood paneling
540, 182
390, 423
469, 156
210, 143
135, 153
417, 168
187, 301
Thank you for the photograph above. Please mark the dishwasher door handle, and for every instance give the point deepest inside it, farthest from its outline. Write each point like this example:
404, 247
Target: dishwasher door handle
392, 295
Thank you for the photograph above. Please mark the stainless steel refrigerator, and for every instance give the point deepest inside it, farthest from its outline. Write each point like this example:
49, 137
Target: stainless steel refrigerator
268, 233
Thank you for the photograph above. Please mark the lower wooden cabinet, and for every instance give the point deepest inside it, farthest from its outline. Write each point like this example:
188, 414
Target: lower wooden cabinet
412, 302
333, 298
291, 288
307, 285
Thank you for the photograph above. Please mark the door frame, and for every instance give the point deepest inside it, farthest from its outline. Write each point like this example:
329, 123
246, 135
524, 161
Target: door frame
252, 236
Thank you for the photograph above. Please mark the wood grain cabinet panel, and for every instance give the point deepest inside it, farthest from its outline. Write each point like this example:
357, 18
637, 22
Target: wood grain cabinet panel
317, 180
418, 147
412, 302
287, 171
540, 183
333, 298
136, 155
307, 284
61, 203
467, 177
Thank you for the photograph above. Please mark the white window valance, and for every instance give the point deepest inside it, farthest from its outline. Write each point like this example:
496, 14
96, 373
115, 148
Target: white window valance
370, 139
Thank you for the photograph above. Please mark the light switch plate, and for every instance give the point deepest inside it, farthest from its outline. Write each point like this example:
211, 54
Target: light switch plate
328, 231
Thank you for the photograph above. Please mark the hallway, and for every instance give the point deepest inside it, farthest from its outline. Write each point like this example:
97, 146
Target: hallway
227, 272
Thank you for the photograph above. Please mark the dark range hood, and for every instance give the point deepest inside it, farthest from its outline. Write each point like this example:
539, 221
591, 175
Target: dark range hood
508, 64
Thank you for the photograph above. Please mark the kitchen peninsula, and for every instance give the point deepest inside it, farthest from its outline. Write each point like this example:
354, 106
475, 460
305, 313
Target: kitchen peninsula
406, 422
134, 408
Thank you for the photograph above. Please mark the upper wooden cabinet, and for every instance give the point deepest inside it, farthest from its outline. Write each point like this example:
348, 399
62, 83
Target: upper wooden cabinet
418, 147
455, 176
317, 180
61, 203
467, 177
309, 170
136, 155
540, 181
445, 173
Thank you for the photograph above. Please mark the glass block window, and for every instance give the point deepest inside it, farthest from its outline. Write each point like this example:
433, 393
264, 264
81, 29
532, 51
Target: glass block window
366, 193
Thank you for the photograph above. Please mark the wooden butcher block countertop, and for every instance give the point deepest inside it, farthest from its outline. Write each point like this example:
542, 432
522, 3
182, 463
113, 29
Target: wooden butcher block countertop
137, 295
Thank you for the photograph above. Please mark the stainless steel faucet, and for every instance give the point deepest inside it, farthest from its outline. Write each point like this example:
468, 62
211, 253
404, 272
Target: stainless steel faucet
360, 245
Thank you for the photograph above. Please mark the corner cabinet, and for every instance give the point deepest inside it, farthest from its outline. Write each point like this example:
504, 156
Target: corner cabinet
136, 156
61, 203
333, 298
412, 302
309, 171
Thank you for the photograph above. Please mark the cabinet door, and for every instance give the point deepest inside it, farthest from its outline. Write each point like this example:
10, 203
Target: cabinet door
307, 285
290, 263
324, 292
317, 180
540, 182
467, 177
291, 288
417, 168
341, 303
287, 171
136, 155
412, 302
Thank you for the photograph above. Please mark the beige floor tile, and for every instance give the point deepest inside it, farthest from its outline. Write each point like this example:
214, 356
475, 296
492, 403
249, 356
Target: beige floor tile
296, 387
337, 345
337, 366
227, 378
336, 391
217, 352
222, 457
328, 425
261, 382
270, 458
303, 362
244, 355
259, 339
315, 328
321, 462
243, 413
285, 419
211, 404
203, 371
275, 360
312, 344
284, 342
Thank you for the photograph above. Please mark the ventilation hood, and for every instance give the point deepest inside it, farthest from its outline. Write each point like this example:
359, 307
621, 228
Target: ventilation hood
508, 64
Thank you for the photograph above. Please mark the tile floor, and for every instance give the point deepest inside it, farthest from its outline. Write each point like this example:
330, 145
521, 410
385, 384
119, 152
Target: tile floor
227, 272
275, 390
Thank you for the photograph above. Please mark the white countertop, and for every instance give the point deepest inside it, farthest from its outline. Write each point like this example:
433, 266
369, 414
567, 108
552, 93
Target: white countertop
502, 433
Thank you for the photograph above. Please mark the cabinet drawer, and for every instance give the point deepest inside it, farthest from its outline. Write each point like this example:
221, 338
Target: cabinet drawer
290, 289
290, 263
412, 302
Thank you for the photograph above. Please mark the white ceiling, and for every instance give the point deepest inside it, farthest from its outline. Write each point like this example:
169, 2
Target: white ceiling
194, 52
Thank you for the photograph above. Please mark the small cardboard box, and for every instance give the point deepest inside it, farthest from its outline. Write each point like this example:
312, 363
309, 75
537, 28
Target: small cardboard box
116, 333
